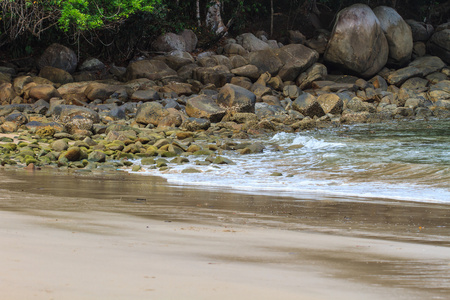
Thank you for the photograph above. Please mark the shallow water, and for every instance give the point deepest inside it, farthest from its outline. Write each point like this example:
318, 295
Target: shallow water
404, 161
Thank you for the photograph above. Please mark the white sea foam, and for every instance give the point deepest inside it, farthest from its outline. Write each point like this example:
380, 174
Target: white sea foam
393, 165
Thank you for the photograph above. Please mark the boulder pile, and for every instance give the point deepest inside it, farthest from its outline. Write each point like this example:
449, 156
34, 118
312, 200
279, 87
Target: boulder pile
79, 115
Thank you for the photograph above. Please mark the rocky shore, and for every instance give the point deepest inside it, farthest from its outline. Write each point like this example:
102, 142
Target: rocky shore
185, 106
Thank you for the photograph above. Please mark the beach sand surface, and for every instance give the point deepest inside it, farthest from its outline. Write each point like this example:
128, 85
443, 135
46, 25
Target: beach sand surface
121, 236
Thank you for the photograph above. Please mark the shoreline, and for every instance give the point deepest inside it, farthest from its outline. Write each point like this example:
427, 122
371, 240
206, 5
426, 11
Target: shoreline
120, 236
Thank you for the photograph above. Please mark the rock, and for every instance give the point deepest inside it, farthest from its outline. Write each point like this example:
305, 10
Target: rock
43, 91
234, 49
58, 56
419, 49
7, 93
151, 113
357, 42
251, 43
296, 37
296, 58
190, 39
186, 72
415, 83
177, 59
439, 45
421, 32
291, 91
72, 154
145, 95
440, 91
18, 118
398, 77
203, 106
181, 89
307, 105
220, 160
9, 127
218, 75
97, 156
55, 75
266, 61
331, 103
264, 110
92, 64
244, 82
315, 72
59, 145
168, 42
355, 117
237, 99
428, 64
151, 69
79, 125
194, 124
250, 71
398, 35
357, 105
238, 61
65, 113
100, 91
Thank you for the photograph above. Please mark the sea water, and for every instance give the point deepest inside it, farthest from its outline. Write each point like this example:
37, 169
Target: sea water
398, 160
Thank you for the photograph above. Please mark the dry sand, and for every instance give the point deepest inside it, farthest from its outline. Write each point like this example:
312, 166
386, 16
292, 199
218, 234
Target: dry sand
128, 237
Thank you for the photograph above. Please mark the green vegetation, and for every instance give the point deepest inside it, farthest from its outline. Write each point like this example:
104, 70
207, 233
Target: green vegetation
120, 28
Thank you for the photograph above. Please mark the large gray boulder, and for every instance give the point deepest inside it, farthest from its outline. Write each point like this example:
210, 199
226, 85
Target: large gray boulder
190, 39
237, 99
151, 69
439, 45
297, 58
58, 56
168, 42
357, 42
398, 35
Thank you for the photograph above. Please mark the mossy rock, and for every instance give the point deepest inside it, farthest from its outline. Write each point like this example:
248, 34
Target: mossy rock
5, 139
125, 155
148, 161
22, 144
10, 146
24, 153
203, 152
47, 131
161, 163
63, 161
179, 160
168, 154
220, 160
73, 154
97, 156
127, 163
276, 174
190, 171
136, 168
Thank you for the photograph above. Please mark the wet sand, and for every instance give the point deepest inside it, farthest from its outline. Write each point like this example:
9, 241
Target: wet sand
121, 236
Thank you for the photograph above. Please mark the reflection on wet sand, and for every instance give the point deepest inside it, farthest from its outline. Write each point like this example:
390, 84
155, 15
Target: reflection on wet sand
399, 247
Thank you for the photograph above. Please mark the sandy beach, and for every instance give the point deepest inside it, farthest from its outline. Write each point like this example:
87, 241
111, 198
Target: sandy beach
121, 236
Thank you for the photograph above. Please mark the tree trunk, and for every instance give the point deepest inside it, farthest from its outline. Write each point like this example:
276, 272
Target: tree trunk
199, 23
271, 18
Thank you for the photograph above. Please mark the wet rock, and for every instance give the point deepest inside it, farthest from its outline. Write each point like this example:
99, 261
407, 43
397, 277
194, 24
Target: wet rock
97, 156
357, 42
